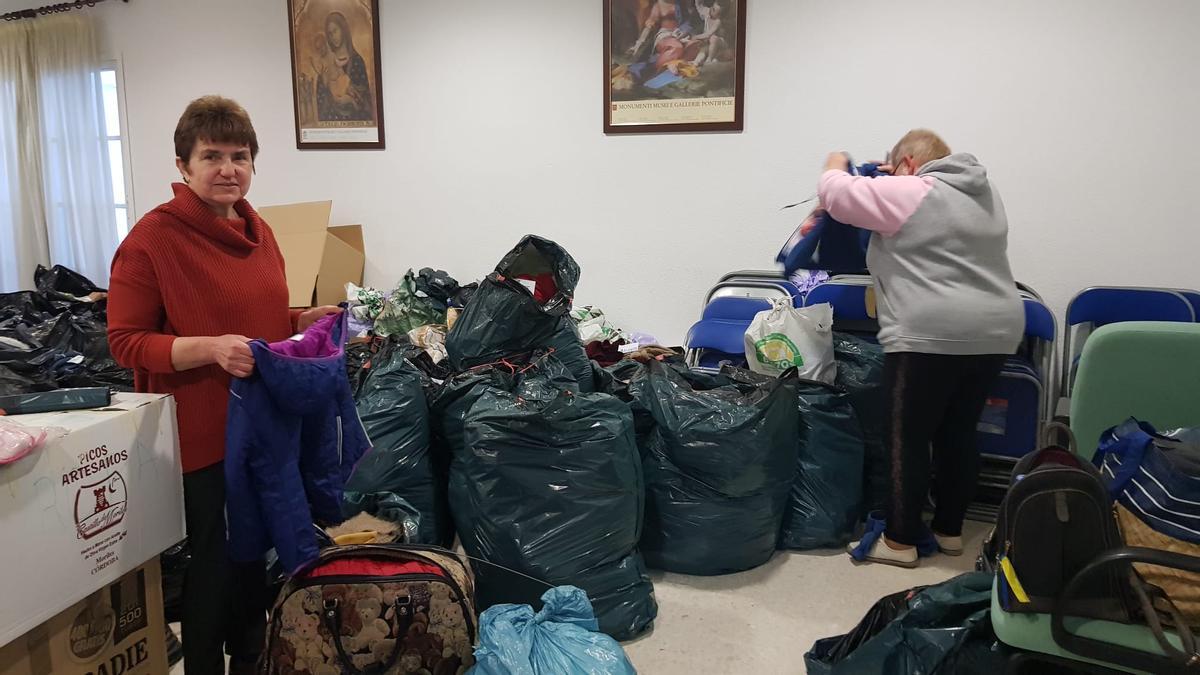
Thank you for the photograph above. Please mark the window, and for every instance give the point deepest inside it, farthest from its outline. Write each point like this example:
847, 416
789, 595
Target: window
118, 147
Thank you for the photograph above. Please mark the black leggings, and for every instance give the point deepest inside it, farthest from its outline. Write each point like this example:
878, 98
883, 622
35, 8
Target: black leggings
935, 401
224, 603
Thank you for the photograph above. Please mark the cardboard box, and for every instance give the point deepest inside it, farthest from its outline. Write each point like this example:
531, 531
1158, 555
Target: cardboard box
320, 259
88, 508
117, 630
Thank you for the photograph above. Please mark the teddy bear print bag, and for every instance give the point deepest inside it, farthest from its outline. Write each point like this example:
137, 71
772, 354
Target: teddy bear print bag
380, 609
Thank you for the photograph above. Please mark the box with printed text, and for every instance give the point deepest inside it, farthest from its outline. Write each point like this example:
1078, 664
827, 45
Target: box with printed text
88, 508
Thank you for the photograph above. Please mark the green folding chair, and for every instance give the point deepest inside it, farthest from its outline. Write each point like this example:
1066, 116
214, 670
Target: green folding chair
1148, 370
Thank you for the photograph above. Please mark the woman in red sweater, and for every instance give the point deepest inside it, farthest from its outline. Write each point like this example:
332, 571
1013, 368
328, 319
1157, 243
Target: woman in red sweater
194, 281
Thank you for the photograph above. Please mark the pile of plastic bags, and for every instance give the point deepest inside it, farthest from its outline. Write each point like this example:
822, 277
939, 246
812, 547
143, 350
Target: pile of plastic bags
56, 337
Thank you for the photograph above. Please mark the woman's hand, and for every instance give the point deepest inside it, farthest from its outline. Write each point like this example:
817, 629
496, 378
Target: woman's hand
837, 161
232, 353
314, 315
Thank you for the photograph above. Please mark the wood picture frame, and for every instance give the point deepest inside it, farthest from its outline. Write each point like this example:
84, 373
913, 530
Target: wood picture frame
674, 65
337, 84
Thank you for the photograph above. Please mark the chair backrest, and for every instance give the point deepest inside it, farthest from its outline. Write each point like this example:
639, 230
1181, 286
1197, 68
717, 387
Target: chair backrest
1039, 321
1027, 291
753, 275
1101, 306
764, 289
1193, 298
1147, 370
735, 309
851, 300
723, 336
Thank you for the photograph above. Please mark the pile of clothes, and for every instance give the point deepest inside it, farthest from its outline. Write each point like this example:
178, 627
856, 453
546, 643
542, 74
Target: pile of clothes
56, 336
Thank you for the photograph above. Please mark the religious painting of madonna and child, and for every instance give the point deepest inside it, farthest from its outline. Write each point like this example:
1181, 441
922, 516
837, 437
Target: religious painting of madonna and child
336, 73
673, 65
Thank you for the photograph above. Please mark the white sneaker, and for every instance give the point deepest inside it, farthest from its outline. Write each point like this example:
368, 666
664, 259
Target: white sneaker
884, 554
952, 546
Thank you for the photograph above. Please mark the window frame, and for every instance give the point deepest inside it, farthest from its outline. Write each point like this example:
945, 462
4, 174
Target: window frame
117, 67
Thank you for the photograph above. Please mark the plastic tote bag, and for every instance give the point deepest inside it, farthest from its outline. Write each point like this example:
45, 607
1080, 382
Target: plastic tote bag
785, 337
559, 640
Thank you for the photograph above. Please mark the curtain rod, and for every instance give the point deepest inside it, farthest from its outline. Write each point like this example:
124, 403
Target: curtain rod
35, 12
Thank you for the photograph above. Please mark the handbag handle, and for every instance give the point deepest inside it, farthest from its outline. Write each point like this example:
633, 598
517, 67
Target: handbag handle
1173, 660
1146, 593
1054, 428
402, 620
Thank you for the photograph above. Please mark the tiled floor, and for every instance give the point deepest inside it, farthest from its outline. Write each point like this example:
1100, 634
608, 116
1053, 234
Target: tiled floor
762, 621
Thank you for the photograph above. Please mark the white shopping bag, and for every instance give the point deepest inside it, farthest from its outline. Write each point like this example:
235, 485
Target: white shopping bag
784, 337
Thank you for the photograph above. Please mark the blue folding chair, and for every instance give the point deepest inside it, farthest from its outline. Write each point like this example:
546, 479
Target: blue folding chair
1193, 298
765, 289
1018, 404
718, 337
1099, 306
853, 303
1017, 409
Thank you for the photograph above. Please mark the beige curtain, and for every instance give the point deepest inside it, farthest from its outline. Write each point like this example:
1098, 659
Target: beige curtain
56, 203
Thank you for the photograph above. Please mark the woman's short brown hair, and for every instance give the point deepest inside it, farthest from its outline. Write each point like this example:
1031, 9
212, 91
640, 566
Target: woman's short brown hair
216, 119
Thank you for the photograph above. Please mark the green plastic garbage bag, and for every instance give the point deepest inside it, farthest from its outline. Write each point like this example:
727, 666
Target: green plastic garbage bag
546, 481
860, 373
521, 307
939, 629
401, 469
718, 467
825, 502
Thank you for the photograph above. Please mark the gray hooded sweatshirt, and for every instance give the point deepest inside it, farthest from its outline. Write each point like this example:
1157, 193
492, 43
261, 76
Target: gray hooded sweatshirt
938, 255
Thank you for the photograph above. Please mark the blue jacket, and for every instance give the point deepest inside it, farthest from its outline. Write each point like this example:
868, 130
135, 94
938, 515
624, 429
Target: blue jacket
293, 437
832, 245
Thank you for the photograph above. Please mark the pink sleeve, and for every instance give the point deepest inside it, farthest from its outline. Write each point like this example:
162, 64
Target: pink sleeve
881, 204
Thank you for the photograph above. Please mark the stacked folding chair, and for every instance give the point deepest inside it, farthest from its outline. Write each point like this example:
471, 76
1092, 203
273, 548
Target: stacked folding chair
1017, 408
1103, 305
729, 308
853, 300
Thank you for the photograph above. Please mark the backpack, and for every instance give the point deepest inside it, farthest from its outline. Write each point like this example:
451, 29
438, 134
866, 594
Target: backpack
1056, 518
378, 609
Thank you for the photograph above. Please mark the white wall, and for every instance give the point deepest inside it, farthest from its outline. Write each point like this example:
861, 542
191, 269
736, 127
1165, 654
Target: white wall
1085, 112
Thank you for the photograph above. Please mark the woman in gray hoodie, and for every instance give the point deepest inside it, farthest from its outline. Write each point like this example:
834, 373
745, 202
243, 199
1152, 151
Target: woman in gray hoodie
949, 316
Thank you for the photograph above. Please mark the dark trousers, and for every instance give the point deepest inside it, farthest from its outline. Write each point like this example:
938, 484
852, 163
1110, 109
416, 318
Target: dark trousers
935, 402
224, 604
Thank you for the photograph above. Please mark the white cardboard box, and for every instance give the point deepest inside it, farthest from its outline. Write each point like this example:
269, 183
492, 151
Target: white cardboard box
86, 509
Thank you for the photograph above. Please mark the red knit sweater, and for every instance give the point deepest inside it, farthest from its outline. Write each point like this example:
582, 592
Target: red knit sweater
185, 272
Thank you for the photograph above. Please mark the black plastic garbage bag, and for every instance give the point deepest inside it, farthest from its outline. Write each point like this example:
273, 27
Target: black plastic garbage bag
825, 502
718, 466
546, 481
438, 285
937, 629
860, 373
64, 280
56, 337
521, 307
400, 470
